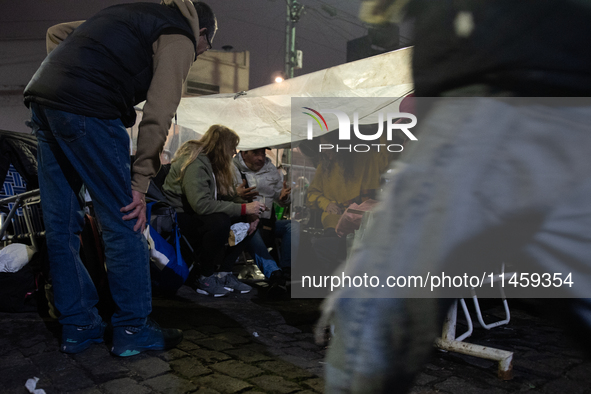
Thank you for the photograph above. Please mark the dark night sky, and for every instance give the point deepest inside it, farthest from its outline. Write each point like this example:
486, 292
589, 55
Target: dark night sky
254, 25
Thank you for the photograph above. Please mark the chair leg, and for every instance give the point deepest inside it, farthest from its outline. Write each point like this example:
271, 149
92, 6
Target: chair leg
449, 342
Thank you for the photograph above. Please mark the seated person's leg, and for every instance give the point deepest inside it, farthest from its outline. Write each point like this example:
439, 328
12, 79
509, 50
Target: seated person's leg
289, 232
330, 251
208, 235
227, 278
256, 247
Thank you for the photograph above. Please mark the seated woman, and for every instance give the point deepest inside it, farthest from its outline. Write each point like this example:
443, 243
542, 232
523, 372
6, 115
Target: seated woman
200, 187
341, 179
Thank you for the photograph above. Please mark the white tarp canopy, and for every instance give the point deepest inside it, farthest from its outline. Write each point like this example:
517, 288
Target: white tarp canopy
262, 116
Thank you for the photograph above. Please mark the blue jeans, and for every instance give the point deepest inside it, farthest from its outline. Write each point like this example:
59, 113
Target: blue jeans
290, 240
258, 250
488, 181
76, 151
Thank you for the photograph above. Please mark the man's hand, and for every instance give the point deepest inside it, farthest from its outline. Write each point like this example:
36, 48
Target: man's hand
333, 208
247, 193
138, 210
285, 192
253, 226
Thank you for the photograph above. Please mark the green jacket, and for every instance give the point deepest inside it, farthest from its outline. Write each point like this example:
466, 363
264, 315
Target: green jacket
196, 192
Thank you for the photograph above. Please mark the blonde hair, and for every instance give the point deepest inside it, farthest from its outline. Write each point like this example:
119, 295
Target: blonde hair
218, 144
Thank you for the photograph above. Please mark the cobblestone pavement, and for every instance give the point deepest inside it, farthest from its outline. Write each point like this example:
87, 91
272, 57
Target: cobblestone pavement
249, 344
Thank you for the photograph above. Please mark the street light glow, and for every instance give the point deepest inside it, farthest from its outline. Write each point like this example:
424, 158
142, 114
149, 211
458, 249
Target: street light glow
279, 79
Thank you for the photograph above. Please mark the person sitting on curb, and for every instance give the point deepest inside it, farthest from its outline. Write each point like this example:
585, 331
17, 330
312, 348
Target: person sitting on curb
256, 170
200, 188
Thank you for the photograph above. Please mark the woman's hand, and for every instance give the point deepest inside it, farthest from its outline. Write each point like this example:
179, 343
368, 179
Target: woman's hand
254, 208
333, 208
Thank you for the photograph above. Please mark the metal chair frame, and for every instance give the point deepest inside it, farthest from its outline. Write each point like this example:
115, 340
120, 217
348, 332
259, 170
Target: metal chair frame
33, 222
450, 342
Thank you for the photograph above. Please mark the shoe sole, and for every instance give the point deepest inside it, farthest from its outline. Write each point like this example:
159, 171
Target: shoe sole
236, 291
129, 352
203, 292
141, 349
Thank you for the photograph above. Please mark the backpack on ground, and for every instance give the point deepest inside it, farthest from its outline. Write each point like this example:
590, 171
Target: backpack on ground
167, 266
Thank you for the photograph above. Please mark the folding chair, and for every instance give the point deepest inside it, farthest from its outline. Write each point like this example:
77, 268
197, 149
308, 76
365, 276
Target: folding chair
450, 342
24, 218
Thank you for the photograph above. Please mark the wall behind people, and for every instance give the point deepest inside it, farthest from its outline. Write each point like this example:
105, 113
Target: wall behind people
19, 59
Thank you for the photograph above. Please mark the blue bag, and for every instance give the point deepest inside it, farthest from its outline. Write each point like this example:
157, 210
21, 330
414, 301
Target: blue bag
168, 269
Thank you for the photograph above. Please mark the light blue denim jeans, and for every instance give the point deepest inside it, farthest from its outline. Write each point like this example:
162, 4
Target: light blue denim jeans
73, 151
290, 242
258, 250
289, 232
489, 180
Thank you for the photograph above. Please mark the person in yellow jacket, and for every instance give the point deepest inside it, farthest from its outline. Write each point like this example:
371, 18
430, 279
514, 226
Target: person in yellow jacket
343, 178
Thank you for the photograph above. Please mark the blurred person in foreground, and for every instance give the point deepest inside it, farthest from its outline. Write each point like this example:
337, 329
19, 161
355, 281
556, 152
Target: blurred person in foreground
489, 180
253, 167
200, 186
82, 98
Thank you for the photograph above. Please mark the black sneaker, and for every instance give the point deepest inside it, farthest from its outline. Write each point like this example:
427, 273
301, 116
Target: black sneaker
286, 273
129, 341
277, 278
277, 286
77, 339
